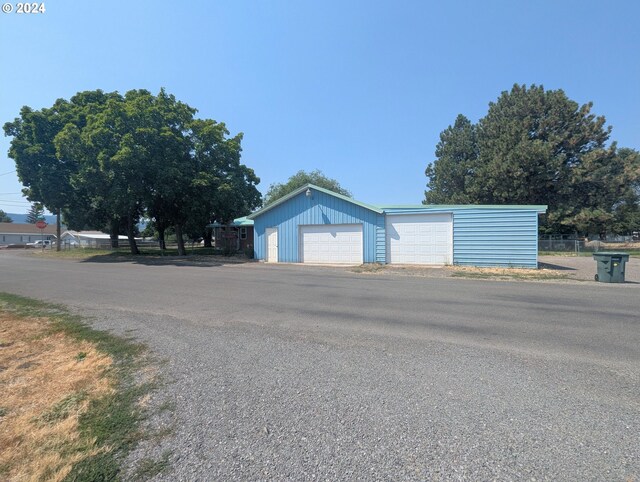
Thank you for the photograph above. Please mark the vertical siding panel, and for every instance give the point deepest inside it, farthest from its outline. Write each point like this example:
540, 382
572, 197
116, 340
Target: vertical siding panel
381, 240
495, 237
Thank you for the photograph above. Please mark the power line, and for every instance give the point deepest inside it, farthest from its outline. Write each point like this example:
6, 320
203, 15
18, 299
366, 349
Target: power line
8, 172
16, 203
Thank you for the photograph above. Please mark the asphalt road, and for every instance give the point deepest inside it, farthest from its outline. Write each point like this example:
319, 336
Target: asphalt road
288, 372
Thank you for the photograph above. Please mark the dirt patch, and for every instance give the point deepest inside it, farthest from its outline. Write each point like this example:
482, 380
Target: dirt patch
571, 269
464, 272
403, 270
44, 387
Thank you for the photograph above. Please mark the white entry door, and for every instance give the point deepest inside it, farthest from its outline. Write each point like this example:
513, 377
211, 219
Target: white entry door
272, 245
331, 244
420, 239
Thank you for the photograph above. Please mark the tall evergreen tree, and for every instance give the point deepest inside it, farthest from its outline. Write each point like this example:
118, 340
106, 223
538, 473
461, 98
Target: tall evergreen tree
36, 212
627, 209
537, 147
453, 170
540, 147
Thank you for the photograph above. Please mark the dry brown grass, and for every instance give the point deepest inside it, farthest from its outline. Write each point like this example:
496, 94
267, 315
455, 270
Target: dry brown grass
507, 273
46, 381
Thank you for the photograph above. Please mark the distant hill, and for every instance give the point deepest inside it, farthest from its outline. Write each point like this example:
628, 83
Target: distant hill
22, 218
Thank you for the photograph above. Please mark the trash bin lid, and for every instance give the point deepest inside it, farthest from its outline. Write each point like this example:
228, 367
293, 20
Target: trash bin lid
611, 254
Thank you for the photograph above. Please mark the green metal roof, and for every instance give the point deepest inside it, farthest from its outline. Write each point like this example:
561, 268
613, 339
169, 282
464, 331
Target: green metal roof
317, 188
243, 221
534, 207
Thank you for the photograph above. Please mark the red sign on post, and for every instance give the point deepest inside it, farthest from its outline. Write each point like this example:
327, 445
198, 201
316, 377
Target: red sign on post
41, 224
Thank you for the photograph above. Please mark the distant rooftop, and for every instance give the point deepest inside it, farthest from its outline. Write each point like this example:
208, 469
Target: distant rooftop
24, 228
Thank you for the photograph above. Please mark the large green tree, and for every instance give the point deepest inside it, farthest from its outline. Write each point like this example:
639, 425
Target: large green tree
199, 176
102, 181
46, 177
108, 159
4, 217
299, 179
535, 146
227, 187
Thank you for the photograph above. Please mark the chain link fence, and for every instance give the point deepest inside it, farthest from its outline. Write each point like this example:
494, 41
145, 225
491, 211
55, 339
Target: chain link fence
558, 242
573, 244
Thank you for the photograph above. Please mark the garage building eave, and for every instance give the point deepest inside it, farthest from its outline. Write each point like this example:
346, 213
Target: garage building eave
317, 188
426, 208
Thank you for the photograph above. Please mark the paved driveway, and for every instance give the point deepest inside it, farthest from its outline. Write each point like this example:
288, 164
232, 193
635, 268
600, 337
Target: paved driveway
287, 372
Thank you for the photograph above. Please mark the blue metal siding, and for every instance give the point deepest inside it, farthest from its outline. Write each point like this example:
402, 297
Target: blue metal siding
482, 236
494, 237
320, 208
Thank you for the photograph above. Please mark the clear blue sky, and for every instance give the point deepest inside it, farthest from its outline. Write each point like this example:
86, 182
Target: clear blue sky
358, 89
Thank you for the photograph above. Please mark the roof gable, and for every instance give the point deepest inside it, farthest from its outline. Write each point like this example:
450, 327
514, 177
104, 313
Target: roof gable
293, 194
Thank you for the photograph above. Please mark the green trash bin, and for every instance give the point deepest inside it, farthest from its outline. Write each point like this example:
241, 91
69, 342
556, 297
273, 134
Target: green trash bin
610, 266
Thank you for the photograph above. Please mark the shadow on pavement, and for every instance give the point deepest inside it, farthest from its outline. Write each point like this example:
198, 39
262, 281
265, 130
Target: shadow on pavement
555, 266
197, 261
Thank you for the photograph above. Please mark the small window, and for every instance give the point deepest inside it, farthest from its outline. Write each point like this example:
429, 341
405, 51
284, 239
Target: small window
243, 233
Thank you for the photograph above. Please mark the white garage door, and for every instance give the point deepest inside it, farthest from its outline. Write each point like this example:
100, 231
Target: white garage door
331, 243
420, 239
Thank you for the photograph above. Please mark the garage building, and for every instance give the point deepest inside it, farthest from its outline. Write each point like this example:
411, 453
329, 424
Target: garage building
317, 226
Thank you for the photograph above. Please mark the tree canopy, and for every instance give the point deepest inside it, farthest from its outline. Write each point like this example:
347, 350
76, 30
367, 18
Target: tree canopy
4, 217
299, 179
116, 158
537, 147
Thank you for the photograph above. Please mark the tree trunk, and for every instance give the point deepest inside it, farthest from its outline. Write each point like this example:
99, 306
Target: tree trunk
114, 233
58, 235
181, 250
161, 241
208, 235
132, 237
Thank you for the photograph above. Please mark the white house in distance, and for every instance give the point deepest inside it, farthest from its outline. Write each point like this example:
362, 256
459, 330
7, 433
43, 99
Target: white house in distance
89, 239
18, 233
